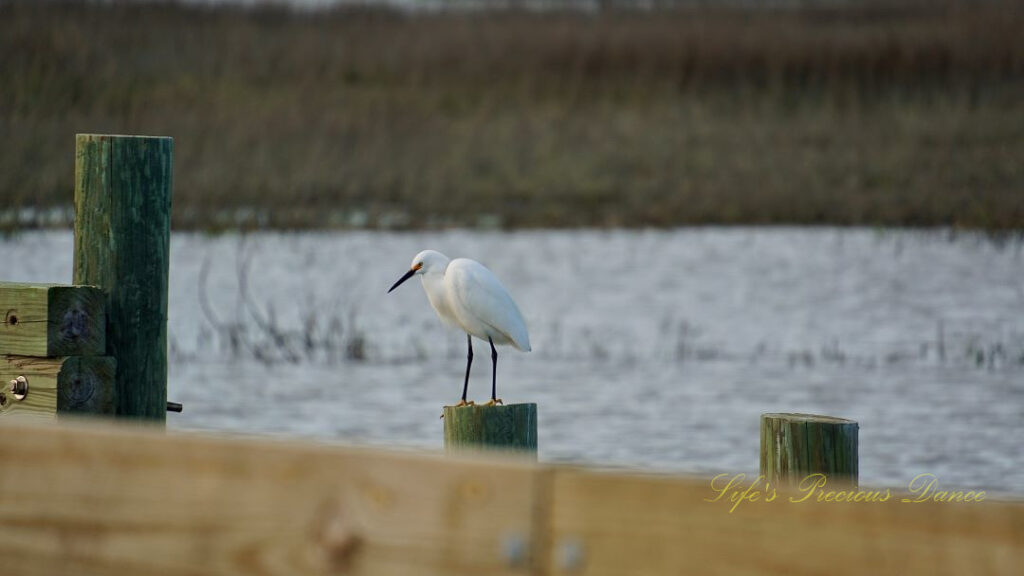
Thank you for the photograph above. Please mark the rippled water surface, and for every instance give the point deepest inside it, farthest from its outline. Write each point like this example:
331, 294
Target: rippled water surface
651, 349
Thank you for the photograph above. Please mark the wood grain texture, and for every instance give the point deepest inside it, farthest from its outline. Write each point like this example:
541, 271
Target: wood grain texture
796, 445
100, 500
618, 525
59, 386
512, 427
122, 237
52, 320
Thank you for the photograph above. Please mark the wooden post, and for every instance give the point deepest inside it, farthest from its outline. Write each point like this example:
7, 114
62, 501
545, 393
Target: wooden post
122, 239
512, 427
796, 445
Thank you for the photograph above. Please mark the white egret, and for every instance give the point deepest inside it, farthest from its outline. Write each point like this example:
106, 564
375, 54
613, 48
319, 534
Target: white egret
466, 295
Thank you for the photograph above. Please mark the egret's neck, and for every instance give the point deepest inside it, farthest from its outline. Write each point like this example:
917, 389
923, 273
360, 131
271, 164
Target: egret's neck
433, 285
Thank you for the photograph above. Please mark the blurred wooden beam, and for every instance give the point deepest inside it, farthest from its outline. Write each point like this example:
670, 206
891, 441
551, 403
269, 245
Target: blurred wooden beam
105, 499
612, 524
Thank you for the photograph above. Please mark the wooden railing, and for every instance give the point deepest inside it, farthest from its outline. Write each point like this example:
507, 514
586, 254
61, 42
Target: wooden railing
106, 499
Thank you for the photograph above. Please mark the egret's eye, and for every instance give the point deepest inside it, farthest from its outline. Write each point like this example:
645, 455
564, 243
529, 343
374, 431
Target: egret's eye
417, 266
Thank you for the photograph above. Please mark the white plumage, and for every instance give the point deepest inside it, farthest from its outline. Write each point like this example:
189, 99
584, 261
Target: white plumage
468, 296
482, 306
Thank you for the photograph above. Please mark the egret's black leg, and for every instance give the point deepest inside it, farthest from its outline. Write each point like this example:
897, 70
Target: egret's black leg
494, 371
469, 362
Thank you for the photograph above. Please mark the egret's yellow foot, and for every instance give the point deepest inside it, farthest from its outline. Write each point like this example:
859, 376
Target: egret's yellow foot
461, 404
495, 402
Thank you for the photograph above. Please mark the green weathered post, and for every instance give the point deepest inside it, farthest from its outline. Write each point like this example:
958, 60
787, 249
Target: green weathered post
122, 242
796, 445
512, 427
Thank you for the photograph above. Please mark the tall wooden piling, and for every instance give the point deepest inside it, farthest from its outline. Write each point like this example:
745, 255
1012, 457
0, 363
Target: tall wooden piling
512, 427
794, 446
122, 244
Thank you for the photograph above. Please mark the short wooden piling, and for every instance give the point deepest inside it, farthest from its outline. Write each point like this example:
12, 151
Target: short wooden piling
796, 445
122, 240
512, 427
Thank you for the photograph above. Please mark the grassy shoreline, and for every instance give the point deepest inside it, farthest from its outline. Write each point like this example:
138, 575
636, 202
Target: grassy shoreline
370, 118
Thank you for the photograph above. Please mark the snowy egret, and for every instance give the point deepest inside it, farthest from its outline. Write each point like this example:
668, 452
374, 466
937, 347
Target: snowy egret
466, 295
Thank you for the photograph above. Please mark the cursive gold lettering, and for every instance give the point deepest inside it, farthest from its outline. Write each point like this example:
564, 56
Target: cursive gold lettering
733, 481
921, 486
808, 486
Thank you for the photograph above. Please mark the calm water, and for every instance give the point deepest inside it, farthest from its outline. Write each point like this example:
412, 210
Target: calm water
651, 349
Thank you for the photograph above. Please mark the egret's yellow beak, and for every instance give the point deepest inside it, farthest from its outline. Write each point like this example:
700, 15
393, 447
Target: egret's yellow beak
407, 275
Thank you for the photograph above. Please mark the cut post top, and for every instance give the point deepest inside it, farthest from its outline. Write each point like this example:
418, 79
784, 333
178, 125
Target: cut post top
517, 406
119, 136
798, 417
489, 410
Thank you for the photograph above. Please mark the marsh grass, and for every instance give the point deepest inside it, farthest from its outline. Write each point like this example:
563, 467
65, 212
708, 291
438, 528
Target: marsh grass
910, 114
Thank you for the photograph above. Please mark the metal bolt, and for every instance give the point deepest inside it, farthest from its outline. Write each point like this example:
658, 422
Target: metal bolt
513, 550
571, 555
19, 388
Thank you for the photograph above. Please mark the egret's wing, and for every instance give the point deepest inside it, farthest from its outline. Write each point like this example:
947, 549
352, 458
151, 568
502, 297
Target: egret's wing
480, 294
